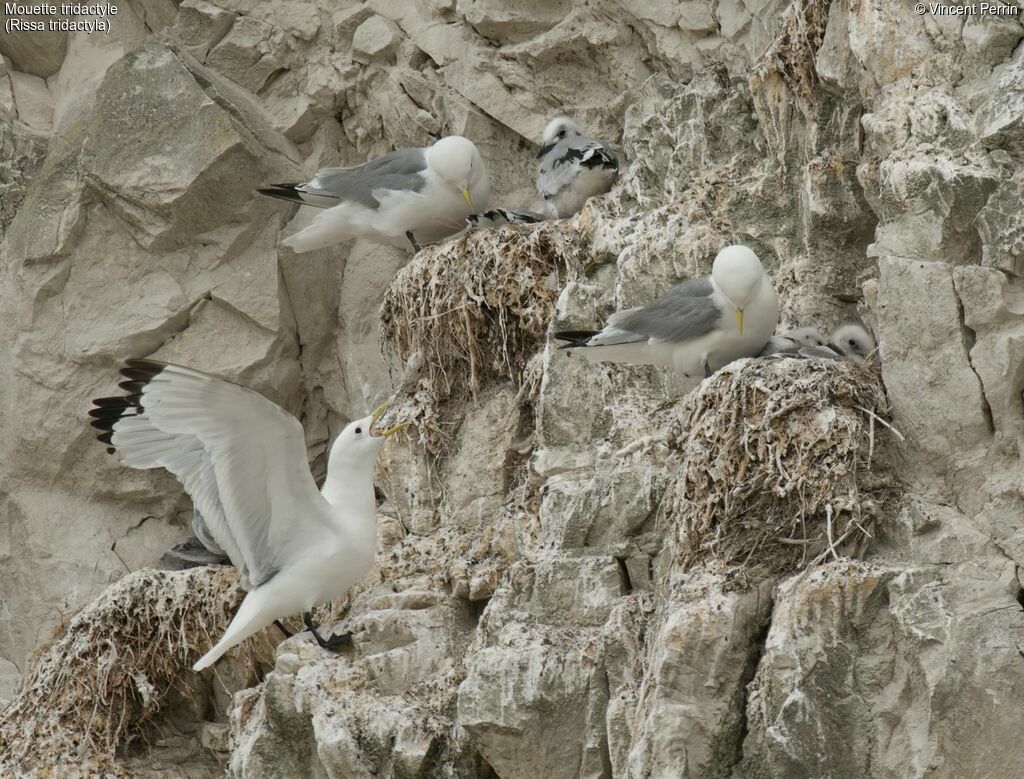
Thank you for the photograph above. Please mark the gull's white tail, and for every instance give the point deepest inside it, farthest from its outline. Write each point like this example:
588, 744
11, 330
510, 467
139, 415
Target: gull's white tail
250, 618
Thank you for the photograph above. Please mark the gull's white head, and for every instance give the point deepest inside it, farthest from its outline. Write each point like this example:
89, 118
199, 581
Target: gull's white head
458, 163
807, 336
853, 341
559, 128
357, 445
738, 274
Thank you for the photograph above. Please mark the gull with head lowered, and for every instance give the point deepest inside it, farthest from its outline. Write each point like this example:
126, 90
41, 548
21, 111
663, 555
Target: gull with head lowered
242, 459
697, 326
405, 198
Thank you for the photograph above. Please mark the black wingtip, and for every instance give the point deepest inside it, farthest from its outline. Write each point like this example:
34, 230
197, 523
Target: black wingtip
574, 338
107, 402
107, 412
105, 423
141, 368
544, 150
282, 192
132, 387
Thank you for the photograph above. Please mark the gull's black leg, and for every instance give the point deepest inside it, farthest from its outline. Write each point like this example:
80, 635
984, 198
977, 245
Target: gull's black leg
412, 240
338, 639
283, 629
325, 643
707, 368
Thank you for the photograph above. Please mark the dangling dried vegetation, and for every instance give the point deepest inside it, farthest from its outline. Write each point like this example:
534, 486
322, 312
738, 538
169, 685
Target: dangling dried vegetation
784, 79
778, 467
100, 682
475, 309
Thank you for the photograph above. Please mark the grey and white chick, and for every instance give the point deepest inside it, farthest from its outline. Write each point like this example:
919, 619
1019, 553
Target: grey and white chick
848, 341
853, 341
790, 343
499, 217
574, 167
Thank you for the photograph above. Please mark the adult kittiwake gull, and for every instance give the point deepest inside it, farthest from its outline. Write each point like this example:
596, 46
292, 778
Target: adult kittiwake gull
405, 198
242, 459
573, 167
697, 326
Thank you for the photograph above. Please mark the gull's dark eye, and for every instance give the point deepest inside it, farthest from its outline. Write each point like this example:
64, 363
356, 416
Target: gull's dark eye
852, 342
561, 133
359, 431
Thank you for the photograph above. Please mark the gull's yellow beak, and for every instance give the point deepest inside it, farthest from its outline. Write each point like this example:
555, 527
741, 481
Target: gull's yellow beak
377, 414
468, 198
394, 429
739, 319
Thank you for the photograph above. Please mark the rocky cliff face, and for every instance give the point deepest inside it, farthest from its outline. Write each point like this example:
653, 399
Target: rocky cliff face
531, 614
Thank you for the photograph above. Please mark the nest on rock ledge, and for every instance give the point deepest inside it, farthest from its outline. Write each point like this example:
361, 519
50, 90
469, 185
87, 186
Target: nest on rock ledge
475, 309
777, 467
96, 686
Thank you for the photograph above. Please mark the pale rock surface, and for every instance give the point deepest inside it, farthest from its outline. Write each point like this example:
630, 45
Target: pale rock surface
32, 100
525, 618
37, 52
374, 40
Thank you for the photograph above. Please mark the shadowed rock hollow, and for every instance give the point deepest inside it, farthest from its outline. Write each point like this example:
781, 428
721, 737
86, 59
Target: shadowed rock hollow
550, 600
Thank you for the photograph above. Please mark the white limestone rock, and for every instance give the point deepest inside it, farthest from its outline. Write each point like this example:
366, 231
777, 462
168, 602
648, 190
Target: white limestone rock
33, 101
36, 52
375, 40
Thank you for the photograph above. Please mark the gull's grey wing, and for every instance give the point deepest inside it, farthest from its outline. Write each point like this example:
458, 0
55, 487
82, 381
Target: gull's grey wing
401, 169
684, 312
202, 532
239, 456
565, 159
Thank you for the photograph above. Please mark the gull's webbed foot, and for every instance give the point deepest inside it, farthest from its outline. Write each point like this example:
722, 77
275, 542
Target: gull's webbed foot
332, 642
338, 640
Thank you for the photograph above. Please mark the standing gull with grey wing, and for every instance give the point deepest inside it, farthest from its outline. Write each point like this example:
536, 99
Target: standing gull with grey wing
405, 198
697, 326
573, 167
242, 459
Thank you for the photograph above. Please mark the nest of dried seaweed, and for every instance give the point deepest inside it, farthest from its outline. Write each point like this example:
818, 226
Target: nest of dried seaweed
777, 464
474, 309
100, 681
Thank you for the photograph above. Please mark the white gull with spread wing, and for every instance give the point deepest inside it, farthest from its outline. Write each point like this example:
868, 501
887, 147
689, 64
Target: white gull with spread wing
242, 459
